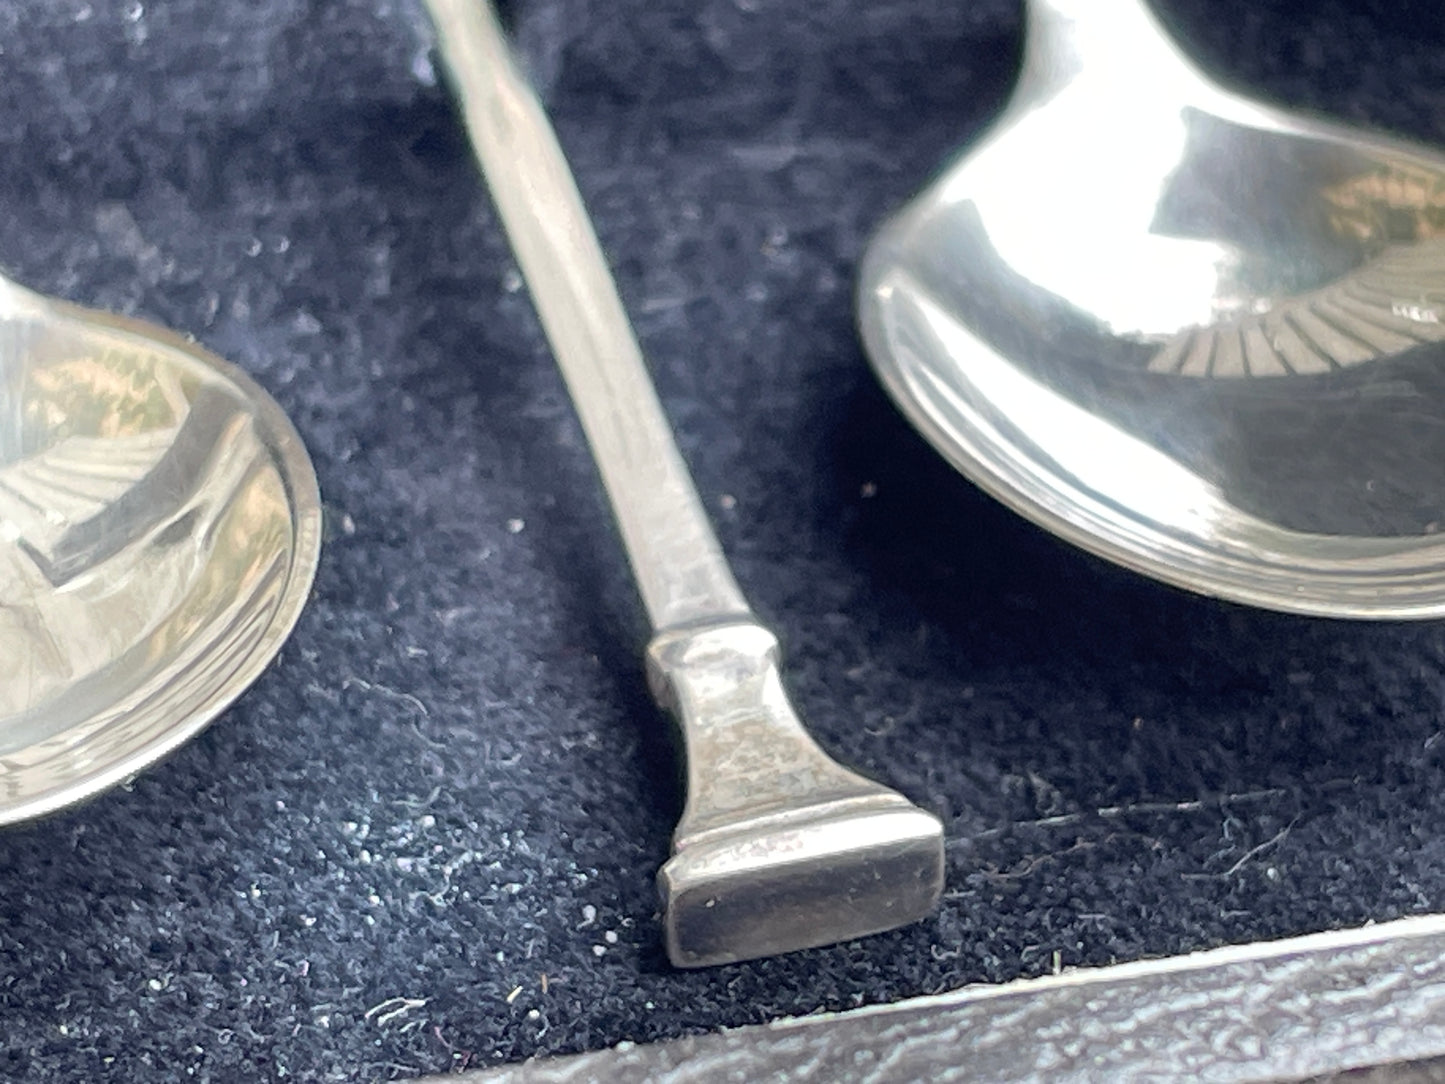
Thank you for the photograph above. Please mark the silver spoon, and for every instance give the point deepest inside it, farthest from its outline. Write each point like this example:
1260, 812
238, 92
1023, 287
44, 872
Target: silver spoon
779, 847
1199, 336
159, 531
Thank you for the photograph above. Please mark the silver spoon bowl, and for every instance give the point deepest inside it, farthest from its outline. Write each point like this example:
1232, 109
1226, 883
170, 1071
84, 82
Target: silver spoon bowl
159, 531
1196, 335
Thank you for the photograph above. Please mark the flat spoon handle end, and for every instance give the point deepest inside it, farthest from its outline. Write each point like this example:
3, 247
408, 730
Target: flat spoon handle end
780, 848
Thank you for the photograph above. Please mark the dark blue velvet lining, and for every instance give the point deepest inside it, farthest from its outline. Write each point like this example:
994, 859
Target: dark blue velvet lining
426, 838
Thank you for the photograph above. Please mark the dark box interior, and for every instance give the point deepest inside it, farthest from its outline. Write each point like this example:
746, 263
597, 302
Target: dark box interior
426, 838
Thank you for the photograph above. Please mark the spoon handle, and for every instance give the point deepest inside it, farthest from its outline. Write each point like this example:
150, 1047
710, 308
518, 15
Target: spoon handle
675, 555
779, 847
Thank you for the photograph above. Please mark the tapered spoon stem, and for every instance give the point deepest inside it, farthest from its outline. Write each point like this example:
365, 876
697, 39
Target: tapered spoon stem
675, 555
1111, 42
779, 848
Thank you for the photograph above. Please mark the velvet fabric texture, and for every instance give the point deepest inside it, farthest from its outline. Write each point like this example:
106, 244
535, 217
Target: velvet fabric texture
426, 839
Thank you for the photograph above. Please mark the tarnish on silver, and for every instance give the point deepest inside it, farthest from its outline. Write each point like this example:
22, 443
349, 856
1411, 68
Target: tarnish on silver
780, 848
1199, 336
159, 531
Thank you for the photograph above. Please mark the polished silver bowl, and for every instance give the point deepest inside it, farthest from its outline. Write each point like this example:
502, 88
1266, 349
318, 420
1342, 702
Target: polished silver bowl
159, 531
1197, 335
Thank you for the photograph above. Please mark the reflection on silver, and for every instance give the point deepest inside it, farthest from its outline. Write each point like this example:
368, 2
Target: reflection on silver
1385, 307
159, 529
1199, 336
